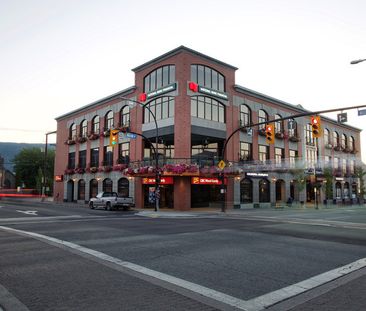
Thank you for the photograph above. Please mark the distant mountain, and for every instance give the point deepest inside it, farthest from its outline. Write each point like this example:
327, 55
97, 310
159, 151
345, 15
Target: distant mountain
9, 150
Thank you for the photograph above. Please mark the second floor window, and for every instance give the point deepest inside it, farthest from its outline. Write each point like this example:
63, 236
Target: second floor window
245, 151
162, 108
71, 160
245, 118
82, 159
108, 156
94, 157
279, 155
293, 156
207, 108
263, 153
124, 153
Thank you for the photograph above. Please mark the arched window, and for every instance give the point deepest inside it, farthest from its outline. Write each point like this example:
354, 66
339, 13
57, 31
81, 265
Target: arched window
123, 187
344, 141
83, 128
107, 185
278, 124
208, 77
159, 78
124, 120
335, 139
262, 117
95, 125
264, 190
245, 115
346, 190
162, 108
72, 131
207, 108
351, 143
93, 188
326, 137
338, 190
108, 121
309, 135
292, 128
81, 189
246, 191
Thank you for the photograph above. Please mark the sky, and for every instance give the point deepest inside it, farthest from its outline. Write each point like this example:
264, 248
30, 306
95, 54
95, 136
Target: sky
57, 56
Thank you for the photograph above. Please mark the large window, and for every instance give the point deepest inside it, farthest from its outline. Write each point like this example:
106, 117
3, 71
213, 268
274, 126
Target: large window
162, 108
124, 153
207, 108
245, 115
246, 191
262, 117
123, 187
293, 156
71, 160
159, 78
82, 159
292, 128
94, 157
72, 131
351, 143
245, 151
93, 188
108, 123
95, 125
125, 116
108, 156
263, 153
208, 77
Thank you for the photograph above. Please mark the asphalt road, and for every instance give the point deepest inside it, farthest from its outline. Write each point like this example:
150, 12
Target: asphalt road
126, 261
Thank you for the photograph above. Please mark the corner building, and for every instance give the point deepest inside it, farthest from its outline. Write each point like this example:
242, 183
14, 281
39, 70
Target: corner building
198, 105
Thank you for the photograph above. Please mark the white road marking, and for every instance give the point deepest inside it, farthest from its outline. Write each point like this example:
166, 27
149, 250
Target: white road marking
38, 218
255, 304
33, 213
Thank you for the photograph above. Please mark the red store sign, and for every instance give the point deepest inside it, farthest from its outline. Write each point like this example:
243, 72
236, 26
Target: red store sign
163, 181
206, 181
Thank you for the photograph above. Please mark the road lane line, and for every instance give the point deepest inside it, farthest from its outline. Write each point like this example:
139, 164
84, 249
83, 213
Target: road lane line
255, 304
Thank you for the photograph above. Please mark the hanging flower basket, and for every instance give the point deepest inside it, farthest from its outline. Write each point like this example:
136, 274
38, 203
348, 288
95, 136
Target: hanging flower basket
93, 169
93, 136
107, 169
262, 132
69, 171
79, 170
70, 142
81, 139
294, 139
119, 167
279, 135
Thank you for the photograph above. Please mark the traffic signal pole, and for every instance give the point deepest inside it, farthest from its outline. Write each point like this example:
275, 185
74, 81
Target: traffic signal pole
304, 114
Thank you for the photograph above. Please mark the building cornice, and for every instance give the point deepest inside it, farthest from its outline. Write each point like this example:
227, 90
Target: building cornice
98, 102
298, 108
176, 51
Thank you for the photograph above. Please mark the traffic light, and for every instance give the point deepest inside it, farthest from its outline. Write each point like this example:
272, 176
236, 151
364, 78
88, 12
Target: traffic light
270, 133
316, 126
113, 138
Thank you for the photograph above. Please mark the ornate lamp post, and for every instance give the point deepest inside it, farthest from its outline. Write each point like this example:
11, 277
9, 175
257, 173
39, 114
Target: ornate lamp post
157, 173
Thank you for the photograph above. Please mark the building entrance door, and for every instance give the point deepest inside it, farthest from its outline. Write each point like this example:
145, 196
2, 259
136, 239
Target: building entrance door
166, 196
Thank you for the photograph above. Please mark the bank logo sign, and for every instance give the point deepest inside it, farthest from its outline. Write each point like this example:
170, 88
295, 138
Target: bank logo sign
212, 92
163, 90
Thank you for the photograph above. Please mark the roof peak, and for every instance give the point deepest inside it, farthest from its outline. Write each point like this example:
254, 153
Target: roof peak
176, 51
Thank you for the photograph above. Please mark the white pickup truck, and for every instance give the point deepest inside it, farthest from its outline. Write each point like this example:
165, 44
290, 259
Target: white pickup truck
110, 201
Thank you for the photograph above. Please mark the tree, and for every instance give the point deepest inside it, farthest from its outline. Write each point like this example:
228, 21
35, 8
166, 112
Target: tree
360, 173
328, 174
28, 166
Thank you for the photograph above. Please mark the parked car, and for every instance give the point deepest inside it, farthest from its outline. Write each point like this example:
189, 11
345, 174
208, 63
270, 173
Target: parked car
110, 201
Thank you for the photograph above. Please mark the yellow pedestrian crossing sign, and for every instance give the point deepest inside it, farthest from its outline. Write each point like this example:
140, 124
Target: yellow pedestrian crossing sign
221, 165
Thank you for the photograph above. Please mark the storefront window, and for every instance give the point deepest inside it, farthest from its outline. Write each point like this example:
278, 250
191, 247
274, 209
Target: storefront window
81, 189
93, 188
338, 190
107, 185
246, 191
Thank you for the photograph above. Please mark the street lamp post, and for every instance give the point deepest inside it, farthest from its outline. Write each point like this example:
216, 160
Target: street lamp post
45, 166
157, 173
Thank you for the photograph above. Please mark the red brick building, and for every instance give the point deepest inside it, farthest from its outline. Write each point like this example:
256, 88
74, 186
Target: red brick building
194, 121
